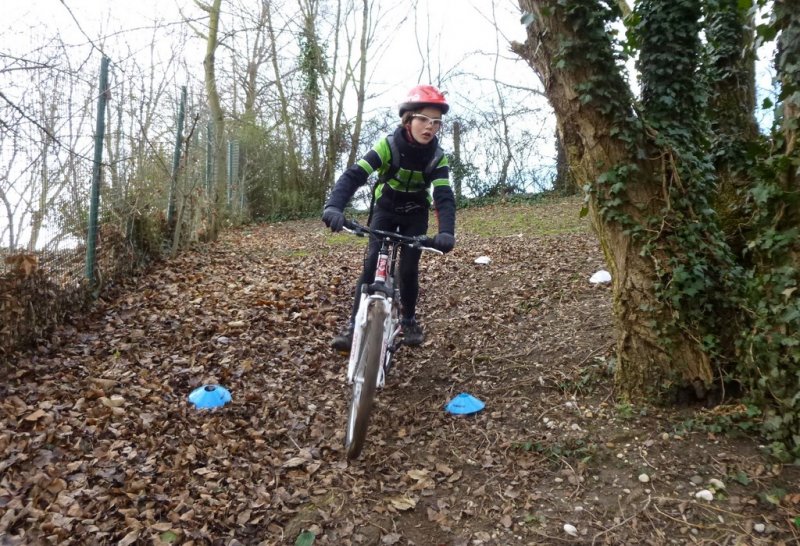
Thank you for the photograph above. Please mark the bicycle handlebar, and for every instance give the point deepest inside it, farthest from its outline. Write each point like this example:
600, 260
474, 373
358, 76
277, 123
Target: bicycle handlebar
421, 242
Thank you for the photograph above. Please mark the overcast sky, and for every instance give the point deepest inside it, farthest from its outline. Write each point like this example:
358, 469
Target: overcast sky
456, 32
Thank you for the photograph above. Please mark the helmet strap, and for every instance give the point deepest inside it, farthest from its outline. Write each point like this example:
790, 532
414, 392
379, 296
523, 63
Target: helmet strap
409, 136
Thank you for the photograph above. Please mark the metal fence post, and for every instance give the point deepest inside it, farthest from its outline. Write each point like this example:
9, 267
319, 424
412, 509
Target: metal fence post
230, 172
94, 203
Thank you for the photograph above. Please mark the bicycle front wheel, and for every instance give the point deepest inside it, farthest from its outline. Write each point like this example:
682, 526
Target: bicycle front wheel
365, 380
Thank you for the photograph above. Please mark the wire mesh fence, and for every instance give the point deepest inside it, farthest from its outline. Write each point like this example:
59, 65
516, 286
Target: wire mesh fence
145, 180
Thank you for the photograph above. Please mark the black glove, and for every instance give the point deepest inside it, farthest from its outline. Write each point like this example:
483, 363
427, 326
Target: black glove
333, 218
444, 242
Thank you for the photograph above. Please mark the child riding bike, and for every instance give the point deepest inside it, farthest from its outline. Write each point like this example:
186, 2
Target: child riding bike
409, 162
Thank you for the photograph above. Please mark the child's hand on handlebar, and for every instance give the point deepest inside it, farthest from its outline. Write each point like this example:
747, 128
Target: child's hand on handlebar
333, 218
444, 242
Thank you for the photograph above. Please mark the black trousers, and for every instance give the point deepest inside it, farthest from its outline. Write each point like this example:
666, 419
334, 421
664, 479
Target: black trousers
412, 224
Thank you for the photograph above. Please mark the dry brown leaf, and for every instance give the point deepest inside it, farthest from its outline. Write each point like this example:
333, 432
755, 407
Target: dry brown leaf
435, 516
403, 503
295, 462
243, 517
36, 415
444, 469
115, 401
103, 383
792, 498
130, 538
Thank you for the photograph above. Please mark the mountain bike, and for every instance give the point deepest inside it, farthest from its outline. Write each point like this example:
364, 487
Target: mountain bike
376, 330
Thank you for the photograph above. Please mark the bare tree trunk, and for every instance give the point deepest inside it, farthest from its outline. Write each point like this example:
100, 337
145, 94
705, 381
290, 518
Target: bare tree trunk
4, 183
335, 93
48, 109
113, 145
361, 84
218, 119
313, 68
508, 155
561, 183
291, 140
257, 58
457, 173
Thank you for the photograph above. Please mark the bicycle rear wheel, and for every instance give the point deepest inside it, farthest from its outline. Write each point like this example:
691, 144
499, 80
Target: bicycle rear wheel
365, 380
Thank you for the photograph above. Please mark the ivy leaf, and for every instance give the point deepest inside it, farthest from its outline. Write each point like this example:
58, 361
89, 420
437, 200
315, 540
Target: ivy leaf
742, 478
767, 33
774, 496
584, 211
168, 536
527, 19
767, 104
305, 539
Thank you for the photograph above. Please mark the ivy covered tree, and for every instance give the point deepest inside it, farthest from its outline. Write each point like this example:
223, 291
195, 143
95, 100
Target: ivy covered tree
696, 210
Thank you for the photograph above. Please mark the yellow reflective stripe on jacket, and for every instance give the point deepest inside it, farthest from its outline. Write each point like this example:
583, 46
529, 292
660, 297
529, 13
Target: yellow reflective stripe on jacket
365, 165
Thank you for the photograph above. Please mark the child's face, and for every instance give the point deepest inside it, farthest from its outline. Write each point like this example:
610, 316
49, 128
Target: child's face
425, 124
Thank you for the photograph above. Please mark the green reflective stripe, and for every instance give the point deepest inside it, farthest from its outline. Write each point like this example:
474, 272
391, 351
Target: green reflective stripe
403, 176
385, 153
408, 181
413, 178
440, 182
365, 165
378, 191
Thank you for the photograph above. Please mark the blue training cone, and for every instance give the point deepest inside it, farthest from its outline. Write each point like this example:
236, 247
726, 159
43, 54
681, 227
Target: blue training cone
210, 396
464, 404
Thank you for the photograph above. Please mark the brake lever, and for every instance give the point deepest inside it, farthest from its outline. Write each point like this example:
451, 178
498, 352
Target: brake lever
351, 226
355, 231
427, 244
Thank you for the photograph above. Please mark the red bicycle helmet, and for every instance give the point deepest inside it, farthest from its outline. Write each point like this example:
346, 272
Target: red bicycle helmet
424, 95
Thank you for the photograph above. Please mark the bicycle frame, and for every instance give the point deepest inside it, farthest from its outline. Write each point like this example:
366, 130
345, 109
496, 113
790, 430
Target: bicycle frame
381, 292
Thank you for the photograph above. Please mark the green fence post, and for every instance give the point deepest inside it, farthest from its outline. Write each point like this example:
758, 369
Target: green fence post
94, 204
230, 172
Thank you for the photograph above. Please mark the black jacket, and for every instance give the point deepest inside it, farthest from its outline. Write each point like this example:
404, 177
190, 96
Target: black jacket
409, 190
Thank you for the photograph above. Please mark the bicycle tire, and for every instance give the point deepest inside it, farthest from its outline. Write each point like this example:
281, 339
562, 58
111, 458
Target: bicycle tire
364, 381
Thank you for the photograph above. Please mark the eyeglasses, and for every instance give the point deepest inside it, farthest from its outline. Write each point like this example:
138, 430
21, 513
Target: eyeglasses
433, 122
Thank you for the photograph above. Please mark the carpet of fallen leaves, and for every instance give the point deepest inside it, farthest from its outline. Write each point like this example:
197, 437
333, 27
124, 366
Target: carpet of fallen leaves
100, 445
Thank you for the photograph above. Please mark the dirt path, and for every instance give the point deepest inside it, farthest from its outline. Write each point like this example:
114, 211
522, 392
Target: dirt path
100, 445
